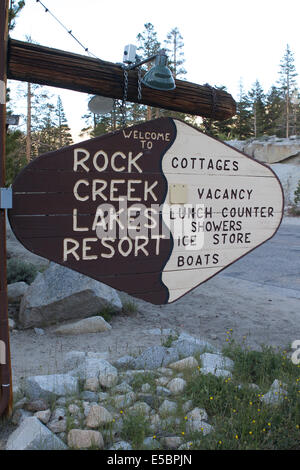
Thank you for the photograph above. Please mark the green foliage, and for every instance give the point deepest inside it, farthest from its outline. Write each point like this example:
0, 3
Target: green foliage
297, 194
14, 10
142, 378
129, 307
240, 418
15, 155
169, 340
20, 271
107, 312
135, 429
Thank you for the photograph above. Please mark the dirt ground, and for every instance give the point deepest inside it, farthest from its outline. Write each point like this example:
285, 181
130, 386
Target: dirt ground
265, 315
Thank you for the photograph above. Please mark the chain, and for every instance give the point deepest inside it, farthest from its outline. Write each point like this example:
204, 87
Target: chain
139, 84
125, 92
214, 100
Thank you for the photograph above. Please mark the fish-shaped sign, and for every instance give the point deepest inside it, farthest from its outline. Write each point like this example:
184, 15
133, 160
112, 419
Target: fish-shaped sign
153, 210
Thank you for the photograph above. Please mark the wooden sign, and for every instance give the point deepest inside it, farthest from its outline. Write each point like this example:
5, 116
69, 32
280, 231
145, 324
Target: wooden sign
153, 210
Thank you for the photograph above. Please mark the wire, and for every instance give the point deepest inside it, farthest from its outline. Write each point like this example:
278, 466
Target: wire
69, 31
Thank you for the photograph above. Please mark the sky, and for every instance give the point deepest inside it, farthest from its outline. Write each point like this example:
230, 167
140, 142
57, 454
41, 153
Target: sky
225, 41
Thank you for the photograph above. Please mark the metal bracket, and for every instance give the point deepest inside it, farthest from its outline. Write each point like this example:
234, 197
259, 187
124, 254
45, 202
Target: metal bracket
6, 198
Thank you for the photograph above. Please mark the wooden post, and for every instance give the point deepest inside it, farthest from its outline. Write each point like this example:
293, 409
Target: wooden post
5, 363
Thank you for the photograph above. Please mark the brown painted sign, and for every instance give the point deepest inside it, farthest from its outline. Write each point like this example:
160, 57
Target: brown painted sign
153, 210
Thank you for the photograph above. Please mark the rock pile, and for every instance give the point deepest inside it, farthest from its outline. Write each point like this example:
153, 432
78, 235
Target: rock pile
88, 406
91, 406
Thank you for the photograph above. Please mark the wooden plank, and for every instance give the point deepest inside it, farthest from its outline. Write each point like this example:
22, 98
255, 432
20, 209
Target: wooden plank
47, 66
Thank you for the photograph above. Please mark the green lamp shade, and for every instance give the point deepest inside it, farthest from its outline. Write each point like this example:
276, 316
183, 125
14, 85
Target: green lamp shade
160, 76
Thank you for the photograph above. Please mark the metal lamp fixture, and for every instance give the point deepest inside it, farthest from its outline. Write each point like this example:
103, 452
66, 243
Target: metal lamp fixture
159, 77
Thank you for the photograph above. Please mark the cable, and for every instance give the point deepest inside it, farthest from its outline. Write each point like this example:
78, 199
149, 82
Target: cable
69, 31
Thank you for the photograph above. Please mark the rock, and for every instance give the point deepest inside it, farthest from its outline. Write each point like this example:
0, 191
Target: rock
39, 331
151, 443
74, 410
186, 363
145, 388
37, 405
151, 400
155, 356
33, 435
102, 396
11, 324
89, 396
198, 426
94, 367
197, 414
124, 362
177, 385
187, 345
167, 407
155, 422
187, 406
60, 294
97, 416
122, 388
95, 324
171, 442
43, 416
57, 425
51, 386
58, 413
140, 407
123, 401
162, 381
162, 332
16, 291
19, 416
21, 403
216, 361
91, 384
164, 371
85, 439
163, 391
272, 152
216, 372
276, 393
121, 445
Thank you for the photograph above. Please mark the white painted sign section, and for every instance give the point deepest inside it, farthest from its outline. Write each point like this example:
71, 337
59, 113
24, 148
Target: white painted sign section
240, 206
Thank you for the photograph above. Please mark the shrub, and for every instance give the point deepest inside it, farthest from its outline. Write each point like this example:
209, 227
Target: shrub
18, 270
297, 194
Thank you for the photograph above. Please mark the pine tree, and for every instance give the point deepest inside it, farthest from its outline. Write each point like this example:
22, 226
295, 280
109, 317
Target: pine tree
287, 83
257, 101
174, 48
63, 131
274, 112
148, 45
14, 10
220, 129
242, 121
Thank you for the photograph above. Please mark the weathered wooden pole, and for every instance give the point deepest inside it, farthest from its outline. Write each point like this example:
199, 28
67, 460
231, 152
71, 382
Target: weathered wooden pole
46, 66
5, 364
